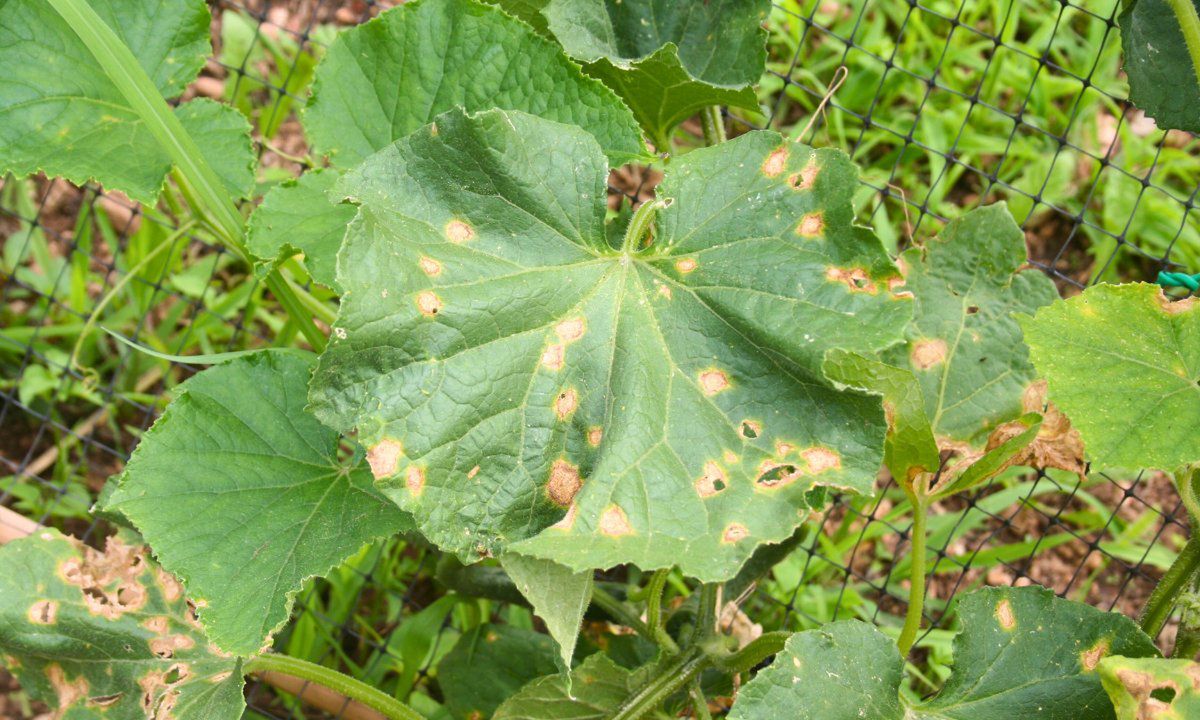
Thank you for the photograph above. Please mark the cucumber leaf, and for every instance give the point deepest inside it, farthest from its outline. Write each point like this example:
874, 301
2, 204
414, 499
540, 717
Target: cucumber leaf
1123, 363
593, 691
558, 595
1163, 80
298, 216
1132, 683
241, 494
510, 370
108, 634
963, 344
396, 73
490, 664
60, 114
1022, 652
667, 59
223, 135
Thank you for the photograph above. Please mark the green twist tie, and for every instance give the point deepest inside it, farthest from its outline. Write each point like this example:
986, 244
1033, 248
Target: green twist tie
1176, 279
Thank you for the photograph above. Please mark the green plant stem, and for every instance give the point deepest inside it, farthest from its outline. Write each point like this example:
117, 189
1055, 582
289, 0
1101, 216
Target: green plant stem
295, 309
198, 180
678, 673
654, 598
1166, 593
338, 682
640, 224
625, 615
916, 575
713, 125
699, 702
757, 650
1189, 24
708, 613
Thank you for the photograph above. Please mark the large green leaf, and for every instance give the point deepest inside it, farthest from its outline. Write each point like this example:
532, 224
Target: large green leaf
963, 345
1022, 652
1162, 77
558, 595
667, 59
223, 135
489, 665
108, 635
593, 691
384, 79
297, 216
507, 366
1133, 683
59, 112
241, 494
1123, 362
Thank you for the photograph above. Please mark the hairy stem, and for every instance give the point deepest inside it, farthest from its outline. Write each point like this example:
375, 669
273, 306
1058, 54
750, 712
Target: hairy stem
626, 615
198, 180
1166, 593
678, 673
708, 614
757, 650
640, 224
1189, 24
916, 575
654, 598
338, 682
699, 702
713, 125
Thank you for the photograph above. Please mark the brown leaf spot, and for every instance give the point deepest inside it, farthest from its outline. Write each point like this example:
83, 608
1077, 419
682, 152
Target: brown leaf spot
776, 161
664, 291
1091, 657
928, 353
473, 472
896, 287
751, 429
429, 303
43, 612
1057, 445
1004, 615
68, 692
165, 646
820, 459
734, 532
110, 581
564, 482
729, 457
570, 330
614, 523
1140, 685
157, 625
773, 474
384, 457
458, 231
566, 403
1174, 307
430, 267
568, 520
414, 480
713, 382
805, 179
686, 265
554, 356
171, 587
854, 278
811, 225
782, 448
594, 436
712, 481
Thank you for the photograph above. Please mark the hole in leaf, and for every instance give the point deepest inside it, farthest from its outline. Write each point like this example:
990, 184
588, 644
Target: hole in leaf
1163, 694
972, 309
719, 485
775, 475
749, 431
105, 700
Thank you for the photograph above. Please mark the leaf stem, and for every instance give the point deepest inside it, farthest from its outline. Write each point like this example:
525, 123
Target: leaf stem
199, 182
625, 615
678, 673
654, 598
708, 614
916, 576
640, 223
757, 650
1178, 576
338, 682
699, 702
1189, 24
713, 125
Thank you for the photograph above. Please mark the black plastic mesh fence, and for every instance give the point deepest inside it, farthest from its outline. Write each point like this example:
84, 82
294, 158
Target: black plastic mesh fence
946, 104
